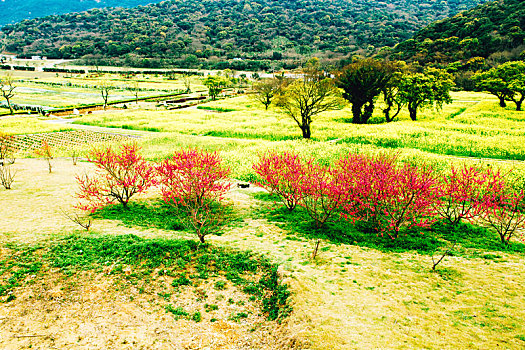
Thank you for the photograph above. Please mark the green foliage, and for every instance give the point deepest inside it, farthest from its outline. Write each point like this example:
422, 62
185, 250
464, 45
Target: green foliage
261, 31
362, 82
217, 109
420, 90
492, 30
178, 312
506, 81
424, 241
147, 215
215, 85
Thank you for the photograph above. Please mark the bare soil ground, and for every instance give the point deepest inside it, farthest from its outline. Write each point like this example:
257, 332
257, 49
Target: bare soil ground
350, 298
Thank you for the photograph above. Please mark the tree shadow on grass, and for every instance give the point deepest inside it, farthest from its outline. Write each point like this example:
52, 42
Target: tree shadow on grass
155, 214
422, 240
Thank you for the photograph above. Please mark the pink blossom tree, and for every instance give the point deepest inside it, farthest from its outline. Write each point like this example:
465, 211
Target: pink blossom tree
195, 181
119, 176
503, 206
388, 195
282, 174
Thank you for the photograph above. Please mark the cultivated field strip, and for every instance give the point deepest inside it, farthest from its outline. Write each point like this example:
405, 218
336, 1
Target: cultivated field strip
65, 139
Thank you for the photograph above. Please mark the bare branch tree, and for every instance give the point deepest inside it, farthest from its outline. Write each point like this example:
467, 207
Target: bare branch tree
7, 85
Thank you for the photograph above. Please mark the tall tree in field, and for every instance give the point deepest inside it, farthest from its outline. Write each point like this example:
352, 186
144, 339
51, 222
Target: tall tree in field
490, 82
362, 81
266, 90
428, 89
390, 92
186, 79
215, 85
513, 75
306, 97
7, 85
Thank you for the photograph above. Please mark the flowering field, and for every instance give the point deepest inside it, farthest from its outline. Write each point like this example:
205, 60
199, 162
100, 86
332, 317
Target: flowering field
372, 202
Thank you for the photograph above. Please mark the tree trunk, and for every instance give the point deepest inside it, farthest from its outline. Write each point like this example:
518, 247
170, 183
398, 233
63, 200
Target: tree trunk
306, 131
369, 110
502, 102
10, 107
519, 102
413, 112
356, 113
316, 249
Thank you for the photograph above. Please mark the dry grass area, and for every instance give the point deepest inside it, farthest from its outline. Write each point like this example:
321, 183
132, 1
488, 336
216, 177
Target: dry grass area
89, 312
350, 298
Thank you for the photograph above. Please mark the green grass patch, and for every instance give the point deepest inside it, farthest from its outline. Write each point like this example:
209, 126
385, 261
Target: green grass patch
216, 109
422, 240
143, 256
147, 214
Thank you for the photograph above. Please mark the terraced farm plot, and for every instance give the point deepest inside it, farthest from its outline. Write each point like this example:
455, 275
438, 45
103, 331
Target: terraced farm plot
65, 139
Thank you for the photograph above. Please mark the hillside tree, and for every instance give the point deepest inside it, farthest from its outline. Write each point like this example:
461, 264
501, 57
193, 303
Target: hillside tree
428, 89
105, 87
265, 90
513, 76
215, 85
493, 84
362, 82
134, 88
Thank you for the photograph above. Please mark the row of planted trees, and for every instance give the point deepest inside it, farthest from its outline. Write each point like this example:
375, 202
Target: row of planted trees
379, 190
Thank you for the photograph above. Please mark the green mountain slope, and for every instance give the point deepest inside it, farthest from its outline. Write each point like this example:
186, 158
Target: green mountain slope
222, 29
17, 10
494, 30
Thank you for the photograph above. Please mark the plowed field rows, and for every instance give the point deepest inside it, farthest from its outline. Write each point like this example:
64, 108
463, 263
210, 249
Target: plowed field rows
65, 139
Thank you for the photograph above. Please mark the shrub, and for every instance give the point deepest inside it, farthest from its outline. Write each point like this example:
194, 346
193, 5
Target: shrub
7, 149
322, 193
194, 181
461, 193
387, 195
120, 175
503, 207
282, 174
6, 177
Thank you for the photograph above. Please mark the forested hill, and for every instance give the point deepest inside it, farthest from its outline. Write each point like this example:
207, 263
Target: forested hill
494, 30
221, 29
17, 10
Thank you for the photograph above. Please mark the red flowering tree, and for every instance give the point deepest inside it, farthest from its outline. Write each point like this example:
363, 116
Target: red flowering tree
322, 193
119, 176
503, 206
461, 193
387, 195
283, 175
195, 182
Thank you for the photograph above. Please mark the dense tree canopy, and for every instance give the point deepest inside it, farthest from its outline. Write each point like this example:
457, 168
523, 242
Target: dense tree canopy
362, 82
506, 81
227, 29
494, 30
420, 90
